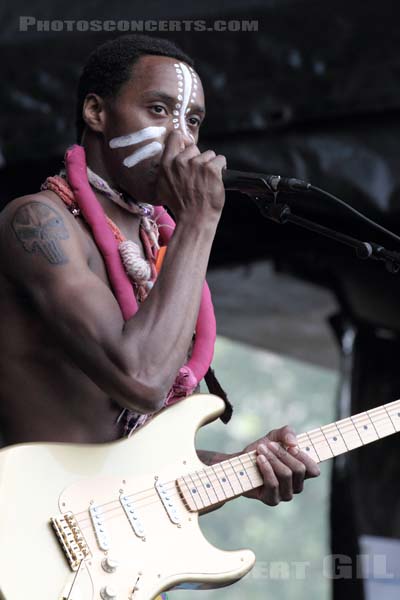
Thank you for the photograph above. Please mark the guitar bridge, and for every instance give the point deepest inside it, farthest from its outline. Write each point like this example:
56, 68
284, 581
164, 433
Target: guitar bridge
71, 539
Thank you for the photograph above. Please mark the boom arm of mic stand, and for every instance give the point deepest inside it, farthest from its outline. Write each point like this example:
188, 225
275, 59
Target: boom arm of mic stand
281, 213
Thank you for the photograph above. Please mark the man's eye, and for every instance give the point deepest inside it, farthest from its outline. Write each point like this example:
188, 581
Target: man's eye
159, 109
194, 121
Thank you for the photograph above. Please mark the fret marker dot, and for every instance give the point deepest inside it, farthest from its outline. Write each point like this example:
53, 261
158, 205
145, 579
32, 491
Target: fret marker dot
398, 414
335, 439
208, 485
365, 426
308, 449
223, 479
241, 473
194, 490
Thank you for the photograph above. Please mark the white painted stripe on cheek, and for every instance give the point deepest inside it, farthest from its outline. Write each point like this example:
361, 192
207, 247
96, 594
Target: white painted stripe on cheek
187, 90
142, 153
135, 138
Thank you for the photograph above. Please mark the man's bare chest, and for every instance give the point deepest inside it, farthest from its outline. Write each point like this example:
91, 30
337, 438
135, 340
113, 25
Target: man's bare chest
95, 258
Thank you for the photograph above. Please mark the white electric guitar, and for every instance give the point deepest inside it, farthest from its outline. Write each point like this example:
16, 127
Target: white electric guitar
120, 520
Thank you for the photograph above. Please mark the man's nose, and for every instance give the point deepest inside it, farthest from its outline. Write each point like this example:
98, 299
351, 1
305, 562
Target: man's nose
187, 138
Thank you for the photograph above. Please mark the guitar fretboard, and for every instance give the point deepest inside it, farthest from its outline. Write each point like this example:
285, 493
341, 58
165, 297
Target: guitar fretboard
230, 478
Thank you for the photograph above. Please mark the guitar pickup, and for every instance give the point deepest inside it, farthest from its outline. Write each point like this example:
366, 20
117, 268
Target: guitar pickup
168, 503
132, 515
96, 515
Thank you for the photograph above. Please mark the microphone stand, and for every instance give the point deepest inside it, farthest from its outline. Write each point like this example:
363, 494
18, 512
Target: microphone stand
282, 213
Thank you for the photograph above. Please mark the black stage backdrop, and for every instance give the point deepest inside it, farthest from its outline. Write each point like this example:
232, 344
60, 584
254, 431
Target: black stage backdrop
314, 93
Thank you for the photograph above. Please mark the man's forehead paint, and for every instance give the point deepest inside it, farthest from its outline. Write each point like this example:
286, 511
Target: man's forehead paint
187, 91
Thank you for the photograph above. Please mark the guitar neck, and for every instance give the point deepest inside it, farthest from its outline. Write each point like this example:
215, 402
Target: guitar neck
231, 478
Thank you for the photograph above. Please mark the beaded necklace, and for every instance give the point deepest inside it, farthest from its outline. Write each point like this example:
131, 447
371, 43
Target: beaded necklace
141, 271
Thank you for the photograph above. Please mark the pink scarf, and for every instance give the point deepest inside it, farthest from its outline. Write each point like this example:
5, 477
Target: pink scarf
189, 375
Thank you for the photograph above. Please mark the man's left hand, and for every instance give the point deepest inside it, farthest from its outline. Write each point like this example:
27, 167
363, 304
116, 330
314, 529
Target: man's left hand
283, 466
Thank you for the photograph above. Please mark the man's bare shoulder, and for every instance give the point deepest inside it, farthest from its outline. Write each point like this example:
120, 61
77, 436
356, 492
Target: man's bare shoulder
45, 198
38, 224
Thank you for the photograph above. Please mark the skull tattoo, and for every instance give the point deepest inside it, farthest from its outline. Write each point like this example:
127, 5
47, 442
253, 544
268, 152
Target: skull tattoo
40, 228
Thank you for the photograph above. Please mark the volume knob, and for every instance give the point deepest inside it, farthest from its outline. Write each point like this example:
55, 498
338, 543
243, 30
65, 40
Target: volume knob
109, 564
108, 593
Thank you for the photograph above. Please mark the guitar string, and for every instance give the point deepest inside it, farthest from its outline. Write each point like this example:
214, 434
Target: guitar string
141, 504
248, 464
307, 441
156, 500
170, 484
178, 494
174, 495
142, 501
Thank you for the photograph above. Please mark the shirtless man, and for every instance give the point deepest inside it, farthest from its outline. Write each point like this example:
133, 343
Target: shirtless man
69, 361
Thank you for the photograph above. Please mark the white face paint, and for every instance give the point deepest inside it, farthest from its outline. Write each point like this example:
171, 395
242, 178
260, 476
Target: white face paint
146, 151
147, 133
187, 91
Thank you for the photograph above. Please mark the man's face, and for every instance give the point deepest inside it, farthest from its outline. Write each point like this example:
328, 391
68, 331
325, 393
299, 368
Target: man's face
163, 95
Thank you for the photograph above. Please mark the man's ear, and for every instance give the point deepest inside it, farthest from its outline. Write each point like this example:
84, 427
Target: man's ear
93, 112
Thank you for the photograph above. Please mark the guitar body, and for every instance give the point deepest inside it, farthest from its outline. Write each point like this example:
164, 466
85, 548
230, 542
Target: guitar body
41, 481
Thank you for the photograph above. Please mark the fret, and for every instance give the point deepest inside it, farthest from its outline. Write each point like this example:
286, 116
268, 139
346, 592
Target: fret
231, 479
199, 490
365, 428
349, 433
223, 480
233, 476
321, 446
209, 484
308, 446
381, 420
228, 474
393, 422
189, 493
245, 478
252, 469
335, 439
204, 487
219, 490
393, 410
194, 493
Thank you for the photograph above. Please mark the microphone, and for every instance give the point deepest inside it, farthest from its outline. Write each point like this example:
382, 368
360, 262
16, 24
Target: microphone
255, 184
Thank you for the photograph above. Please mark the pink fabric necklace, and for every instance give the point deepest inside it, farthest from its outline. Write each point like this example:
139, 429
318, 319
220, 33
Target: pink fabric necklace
190, 374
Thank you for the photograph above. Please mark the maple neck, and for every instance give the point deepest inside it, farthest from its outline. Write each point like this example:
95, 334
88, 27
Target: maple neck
231, 478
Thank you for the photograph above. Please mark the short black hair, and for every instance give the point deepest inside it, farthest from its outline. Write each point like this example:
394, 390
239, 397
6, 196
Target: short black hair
109, 66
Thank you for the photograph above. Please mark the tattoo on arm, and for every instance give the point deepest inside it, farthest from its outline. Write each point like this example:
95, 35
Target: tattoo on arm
39, 229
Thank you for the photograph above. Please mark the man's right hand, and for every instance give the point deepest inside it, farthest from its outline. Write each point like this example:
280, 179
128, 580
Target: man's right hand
190, 182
